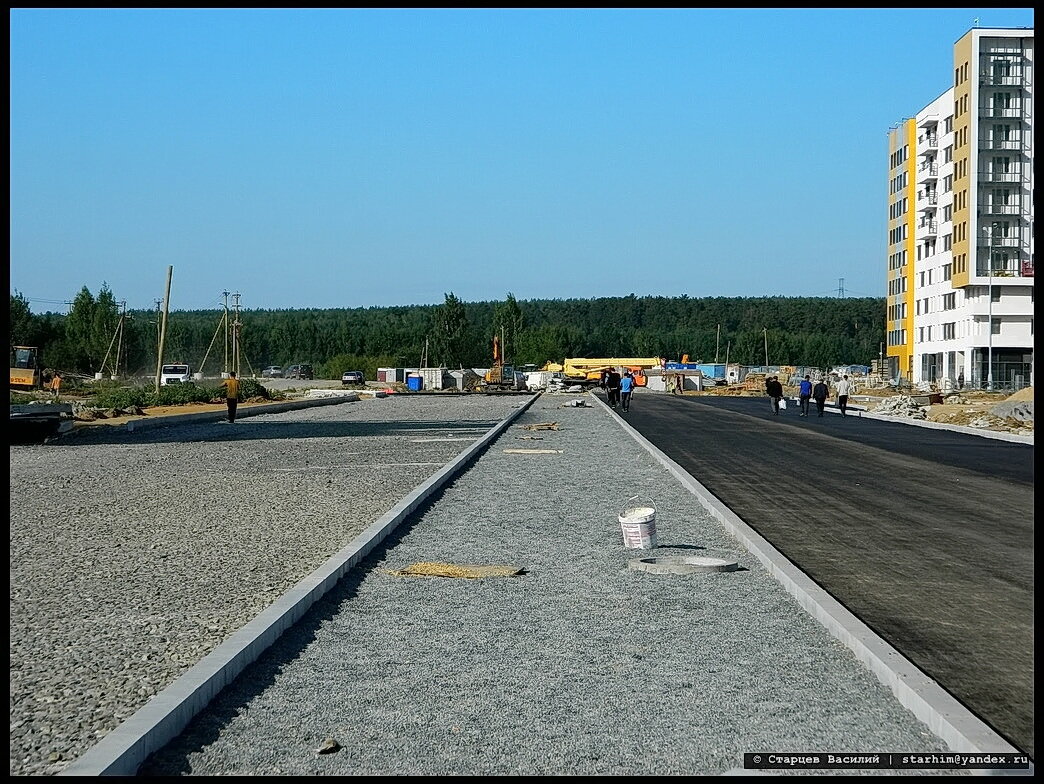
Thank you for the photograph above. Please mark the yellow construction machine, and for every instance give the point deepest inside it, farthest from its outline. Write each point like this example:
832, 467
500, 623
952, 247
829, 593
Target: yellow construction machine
588, 372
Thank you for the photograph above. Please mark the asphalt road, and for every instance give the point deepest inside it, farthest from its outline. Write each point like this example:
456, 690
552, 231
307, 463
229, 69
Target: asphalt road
926, 535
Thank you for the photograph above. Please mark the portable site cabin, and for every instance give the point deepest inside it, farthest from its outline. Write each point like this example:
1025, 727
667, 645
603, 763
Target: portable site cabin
692, 379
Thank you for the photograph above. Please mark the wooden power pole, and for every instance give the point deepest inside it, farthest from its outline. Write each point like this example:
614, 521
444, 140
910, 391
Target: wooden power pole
163, 329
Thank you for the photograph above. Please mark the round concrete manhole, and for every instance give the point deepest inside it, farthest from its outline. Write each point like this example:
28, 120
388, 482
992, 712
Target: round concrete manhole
682, 564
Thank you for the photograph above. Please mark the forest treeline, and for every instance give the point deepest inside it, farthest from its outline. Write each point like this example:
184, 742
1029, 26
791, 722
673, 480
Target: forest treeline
813, 331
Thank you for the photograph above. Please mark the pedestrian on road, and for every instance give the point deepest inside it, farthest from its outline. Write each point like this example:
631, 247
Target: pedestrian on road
775, 393
960, 380
819, 393
56, 385
679, 384
612, 387
626, 388
231, 385
805, 395
844, 389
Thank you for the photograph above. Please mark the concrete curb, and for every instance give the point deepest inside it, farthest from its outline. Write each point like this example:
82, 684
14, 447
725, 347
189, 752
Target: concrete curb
122, 751
219, 415
961, 729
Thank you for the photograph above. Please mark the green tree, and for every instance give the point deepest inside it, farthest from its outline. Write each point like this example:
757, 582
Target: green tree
25, 330
450, 332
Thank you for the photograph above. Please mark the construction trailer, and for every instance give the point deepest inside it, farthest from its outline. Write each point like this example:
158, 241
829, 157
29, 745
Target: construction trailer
692, 379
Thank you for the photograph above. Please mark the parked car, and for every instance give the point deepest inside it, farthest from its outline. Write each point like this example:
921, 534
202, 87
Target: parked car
300, 371
353, 377
272, 371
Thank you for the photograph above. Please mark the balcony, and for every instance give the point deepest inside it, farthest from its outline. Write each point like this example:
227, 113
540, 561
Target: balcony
1012, 240
928, 170
994, 143
928, 227
1015, 79
1000, 209
926, 143
1000, 111
1011, 175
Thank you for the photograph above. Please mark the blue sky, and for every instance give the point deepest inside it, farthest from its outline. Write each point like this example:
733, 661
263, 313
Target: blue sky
344, 158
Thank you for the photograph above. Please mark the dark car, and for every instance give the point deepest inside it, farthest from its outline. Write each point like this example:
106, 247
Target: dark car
353, 377
300, 371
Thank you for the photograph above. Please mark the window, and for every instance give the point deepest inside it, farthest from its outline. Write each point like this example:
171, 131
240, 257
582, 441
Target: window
995, 293
995, 325
949, 331
948, 212
947, 268
949, 301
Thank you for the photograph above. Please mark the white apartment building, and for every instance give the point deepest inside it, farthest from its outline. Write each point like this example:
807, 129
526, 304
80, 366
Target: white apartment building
960, 222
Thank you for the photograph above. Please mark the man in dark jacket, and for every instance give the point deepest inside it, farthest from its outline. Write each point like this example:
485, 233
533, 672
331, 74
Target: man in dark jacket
775, 391
612, 388
819, 394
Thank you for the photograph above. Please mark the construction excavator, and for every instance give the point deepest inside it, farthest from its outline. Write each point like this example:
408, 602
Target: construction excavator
499, 377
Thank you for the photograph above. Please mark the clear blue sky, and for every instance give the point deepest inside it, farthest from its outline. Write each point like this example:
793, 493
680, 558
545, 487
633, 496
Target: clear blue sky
345, 158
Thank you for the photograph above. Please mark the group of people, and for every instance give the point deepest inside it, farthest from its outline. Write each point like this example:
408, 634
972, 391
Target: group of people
618, 389
808, 392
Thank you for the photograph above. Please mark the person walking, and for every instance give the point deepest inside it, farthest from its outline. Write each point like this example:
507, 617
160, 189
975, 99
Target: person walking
231, 385
844, 389
805, 394
775, 392
56, 385
626, 388
819, 393
612, 387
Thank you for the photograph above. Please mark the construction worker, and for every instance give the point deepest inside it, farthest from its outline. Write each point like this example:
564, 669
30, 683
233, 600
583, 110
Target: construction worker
231, 385
56, 384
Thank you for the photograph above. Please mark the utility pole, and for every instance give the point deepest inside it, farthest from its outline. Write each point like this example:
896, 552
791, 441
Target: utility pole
766, 349
840, 287
119, 341
224, 373
236, 348
717, 343
158, 303
163, 329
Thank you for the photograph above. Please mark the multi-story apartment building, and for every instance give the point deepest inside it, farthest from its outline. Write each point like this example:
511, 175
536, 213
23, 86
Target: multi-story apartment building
960, 222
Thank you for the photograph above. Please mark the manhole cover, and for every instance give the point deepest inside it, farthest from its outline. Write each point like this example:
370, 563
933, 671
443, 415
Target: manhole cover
682, 564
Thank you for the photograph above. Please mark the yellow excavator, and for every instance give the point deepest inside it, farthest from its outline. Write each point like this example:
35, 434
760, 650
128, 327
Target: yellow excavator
500, 376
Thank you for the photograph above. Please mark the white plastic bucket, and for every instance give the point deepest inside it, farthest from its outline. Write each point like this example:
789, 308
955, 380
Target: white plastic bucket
638, 526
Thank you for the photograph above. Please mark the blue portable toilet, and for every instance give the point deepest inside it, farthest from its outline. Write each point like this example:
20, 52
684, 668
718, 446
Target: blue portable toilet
415, 383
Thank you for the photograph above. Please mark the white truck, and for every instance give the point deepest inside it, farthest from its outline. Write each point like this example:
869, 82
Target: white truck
174, 373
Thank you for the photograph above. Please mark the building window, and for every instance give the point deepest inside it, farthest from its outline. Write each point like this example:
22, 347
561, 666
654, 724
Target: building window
949, 331
949, 301
995, 293
995, 325
947, 268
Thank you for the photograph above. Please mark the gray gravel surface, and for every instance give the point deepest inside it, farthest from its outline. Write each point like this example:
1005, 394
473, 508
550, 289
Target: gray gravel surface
133, 555
579, 666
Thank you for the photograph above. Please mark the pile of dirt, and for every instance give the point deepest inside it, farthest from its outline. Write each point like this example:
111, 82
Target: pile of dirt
1022, 395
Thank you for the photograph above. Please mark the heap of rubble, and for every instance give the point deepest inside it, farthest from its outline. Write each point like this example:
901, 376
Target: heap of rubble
901, 406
